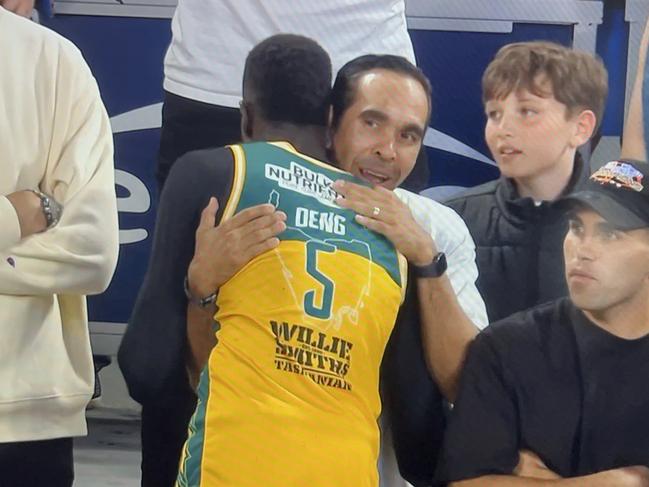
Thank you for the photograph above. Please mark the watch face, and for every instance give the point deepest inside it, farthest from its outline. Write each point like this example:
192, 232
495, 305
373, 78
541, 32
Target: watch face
435, 269
51, 208
57, 210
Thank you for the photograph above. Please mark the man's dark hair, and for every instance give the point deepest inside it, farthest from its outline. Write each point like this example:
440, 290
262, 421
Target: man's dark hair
344, 89
288, 78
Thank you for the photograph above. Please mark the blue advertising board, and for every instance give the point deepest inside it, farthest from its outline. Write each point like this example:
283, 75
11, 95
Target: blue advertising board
126, 56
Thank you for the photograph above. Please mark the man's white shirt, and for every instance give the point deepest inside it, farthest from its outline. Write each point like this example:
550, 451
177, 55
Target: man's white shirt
452, 237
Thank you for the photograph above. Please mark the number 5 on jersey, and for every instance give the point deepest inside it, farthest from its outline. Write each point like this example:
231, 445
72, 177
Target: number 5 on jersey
323, 311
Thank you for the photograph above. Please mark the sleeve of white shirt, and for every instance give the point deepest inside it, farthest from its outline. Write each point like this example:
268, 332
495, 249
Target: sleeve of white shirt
9, 224
452, 237
79, 254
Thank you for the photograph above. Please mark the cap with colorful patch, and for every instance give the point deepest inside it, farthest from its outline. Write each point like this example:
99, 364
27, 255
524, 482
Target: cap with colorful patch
619, 192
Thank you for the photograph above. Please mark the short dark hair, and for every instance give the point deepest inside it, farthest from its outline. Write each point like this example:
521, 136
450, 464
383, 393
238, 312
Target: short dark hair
344, 89
288, 77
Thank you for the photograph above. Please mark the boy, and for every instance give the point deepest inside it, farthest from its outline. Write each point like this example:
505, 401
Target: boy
542, 101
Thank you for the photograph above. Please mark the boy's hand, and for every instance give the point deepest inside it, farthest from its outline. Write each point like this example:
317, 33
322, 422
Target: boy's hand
382, 211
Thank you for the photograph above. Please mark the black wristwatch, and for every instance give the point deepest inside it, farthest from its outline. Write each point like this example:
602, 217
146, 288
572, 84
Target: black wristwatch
436, 268
51, 208
200, 302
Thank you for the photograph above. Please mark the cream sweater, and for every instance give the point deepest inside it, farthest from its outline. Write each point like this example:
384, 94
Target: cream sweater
54, 135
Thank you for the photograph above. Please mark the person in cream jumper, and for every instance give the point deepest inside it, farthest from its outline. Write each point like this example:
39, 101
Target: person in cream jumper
58, 243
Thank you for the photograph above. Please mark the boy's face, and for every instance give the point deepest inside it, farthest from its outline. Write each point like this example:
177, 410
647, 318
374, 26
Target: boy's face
605, 267
380, 134
530, 136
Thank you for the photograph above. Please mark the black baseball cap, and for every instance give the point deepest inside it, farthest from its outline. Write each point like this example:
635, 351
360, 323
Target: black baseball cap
619, 192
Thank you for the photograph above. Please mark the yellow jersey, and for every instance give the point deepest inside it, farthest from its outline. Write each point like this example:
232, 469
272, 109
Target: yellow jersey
290, 396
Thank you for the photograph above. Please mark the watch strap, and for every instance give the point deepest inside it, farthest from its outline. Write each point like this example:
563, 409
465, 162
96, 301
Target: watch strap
436, 268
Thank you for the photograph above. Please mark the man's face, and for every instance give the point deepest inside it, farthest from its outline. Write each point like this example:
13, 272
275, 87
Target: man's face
605, 267
530, 136
380, 134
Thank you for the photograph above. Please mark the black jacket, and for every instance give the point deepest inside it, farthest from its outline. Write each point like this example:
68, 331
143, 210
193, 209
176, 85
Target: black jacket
519, 245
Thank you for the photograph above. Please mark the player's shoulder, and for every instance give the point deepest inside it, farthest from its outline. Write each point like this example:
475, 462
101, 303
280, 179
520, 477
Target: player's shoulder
204, 160
200, 172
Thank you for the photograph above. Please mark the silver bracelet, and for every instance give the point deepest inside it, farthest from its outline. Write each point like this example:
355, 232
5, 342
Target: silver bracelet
200, 302
51, 208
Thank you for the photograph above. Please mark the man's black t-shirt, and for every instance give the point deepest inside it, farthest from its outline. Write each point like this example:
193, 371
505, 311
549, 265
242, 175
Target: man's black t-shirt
550, 381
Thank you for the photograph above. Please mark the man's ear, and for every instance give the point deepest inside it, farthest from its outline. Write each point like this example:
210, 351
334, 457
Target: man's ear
330, 133
586, 122
247, 118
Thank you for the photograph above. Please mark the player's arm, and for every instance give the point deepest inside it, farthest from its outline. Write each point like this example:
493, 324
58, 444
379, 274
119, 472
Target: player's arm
633, 140
153, 351
201, 339
223, 246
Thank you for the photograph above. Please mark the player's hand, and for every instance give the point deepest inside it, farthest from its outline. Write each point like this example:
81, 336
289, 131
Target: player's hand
221, 251
380, 210
531, 466
20, 7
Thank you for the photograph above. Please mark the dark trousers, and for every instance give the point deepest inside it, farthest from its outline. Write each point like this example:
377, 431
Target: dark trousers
164, 431
37, 463
189, 125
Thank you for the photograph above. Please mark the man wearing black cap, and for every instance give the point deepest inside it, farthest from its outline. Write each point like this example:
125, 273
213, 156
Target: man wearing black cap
558, 395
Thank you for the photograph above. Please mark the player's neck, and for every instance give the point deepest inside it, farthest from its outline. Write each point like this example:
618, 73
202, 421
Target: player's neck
309, 139
628, 319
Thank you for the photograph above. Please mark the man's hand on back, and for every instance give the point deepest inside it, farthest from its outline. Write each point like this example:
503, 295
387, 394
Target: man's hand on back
221, 251
380, 210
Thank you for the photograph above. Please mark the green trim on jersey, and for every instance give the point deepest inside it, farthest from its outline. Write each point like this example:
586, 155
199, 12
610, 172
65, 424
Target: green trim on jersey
302, 189
190, 469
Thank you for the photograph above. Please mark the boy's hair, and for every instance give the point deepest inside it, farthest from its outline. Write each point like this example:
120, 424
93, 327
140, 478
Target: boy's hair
578, 79
289, 78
